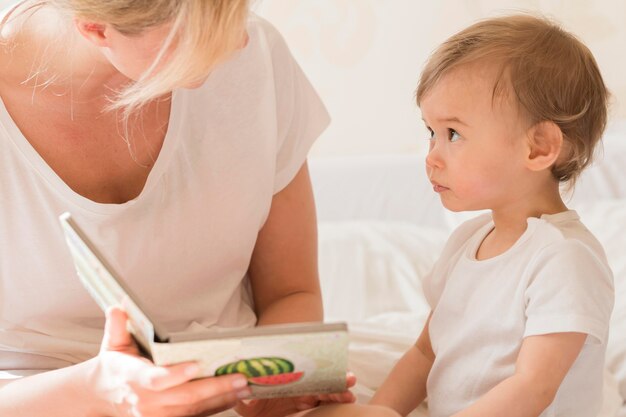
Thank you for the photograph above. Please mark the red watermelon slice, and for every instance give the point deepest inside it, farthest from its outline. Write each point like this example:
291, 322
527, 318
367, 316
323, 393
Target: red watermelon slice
279, 379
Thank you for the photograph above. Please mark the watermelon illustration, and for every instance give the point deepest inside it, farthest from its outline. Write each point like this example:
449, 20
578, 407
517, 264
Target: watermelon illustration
280, 379
262, 371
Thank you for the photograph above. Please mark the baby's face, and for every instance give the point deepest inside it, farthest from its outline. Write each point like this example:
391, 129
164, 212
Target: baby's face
478, 143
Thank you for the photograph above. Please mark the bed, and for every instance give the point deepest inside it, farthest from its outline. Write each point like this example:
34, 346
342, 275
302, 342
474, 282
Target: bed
381, 227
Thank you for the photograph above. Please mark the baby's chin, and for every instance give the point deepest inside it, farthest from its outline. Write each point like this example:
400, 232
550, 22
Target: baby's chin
459, 208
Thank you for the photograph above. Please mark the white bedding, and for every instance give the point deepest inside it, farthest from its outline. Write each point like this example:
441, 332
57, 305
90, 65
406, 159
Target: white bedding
381, 228
380, 265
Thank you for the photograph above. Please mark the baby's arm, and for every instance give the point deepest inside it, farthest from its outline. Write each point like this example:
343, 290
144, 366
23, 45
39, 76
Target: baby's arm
405, 387
541, 366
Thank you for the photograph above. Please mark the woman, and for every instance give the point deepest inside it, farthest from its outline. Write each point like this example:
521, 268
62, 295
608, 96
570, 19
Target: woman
176, 132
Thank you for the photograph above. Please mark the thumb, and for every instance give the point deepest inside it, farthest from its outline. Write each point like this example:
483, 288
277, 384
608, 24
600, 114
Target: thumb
116, 336
350, 380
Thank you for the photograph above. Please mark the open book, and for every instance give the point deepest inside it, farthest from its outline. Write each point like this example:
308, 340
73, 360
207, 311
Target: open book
278, 360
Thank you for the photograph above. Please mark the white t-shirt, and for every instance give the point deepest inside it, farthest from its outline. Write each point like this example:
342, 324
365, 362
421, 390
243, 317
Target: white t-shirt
184, 244
555, 278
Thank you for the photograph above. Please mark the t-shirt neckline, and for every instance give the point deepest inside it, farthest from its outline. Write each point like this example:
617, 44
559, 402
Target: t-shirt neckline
479, 236
170, 142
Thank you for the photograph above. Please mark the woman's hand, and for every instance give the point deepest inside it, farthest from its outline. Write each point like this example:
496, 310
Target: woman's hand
129, 385
278, 407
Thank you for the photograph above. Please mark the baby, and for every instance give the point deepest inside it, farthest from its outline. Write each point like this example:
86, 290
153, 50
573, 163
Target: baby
520, 297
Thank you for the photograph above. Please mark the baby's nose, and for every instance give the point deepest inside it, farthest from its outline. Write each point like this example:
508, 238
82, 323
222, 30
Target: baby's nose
433, 158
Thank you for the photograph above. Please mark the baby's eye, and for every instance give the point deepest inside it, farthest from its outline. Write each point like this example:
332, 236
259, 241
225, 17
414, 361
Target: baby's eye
453, 135
431, 134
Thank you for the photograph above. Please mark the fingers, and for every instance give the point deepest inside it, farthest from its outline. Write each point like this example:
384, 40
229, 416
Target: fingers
206, 407
342, 397
198, 397
307, 402
127, 380
205, 389
158, 378
116, 337
145, 389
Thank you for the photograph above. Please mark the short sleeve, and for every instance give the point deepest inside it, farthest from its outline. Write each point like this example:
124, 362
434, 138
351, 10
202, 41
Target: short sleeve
301, 115
570, 290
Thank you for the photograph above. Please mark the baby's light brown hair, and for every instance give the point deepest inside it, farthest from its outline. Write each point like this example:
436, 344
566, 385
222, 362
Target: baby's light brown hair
550, 74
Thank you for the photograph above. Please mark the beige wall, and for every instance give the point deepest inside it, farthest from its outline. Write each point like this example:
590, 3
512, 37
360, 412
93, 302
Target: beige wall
364, 57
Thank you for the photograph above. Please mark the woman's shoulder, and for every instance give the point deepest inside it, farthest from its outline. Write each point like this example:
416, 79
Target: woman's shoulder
261, 27
16, 24
22, 36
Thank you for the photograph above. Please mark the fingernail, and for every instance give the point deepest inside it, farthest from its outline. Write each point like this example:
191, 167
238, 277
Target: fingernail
240, 383
192, 370
244, 393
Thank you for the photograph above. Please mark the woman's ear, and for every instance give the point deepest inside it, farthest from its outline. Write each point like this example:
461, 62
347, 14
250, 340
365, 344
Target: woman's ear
545, 142
95, 33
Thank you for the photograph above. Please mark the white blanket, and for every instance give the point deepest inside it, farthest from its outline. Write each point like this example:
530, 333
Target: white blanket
371, 277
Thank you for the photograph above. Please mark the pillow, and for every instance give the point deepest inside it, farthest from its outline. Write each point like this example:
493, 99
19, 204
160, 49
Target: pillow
371, 274
370, 268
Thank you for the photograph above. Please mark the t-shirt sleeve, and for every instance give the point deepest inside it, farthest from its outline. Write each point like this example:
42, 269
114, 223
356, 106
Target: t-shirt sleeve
301, 115
570, 290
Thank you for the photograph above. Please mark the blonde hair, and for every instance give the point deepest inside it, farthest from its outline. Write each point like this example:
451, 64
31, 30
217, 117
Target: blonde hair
552, 77
203, 34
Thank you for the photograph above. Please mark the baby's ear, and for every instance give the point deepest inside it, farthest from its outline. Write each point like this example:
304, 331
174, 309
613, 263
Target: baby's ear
545, 141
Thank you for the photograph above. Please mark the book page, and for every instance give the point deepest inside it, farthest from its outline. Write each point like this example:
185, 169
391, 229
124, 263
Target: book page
102, 286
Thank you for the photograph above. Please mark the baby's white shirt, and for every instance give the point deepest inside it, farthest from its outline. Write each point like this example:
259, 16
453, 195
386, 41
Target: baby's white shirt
555, 278
184, 244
